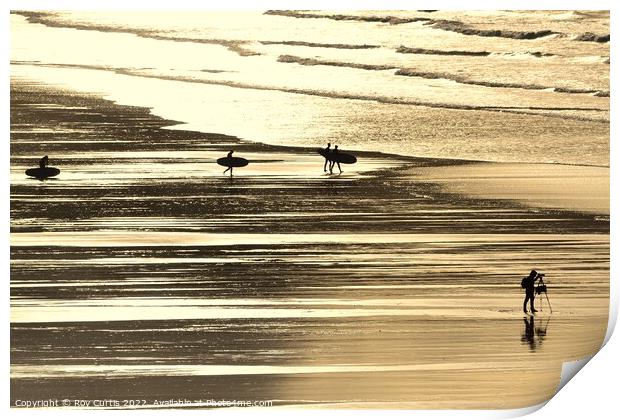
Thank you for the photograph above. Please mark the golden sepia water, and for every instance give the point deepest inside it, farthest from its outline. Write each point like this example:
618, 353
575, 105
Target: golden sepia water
142, 272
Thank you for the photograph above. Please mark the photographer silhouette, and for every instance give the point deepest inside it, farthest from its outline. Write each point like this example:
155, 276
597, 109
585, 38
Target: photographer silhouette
529, 284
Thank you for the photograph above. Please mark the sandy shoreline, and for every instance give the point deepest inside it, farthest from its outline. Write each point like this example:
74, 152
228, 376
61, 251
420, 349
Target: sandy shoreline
562, 187
143, 203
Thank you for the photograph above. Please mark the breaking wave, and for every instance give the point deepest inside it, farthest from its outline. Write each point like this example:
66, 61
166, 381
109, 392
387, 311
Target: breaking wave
443, 24
464, 29
321, 45
590, 37
47, 19
331, 94
409, 50
392, 20
436, 75
410, 72
316, 62
446, 25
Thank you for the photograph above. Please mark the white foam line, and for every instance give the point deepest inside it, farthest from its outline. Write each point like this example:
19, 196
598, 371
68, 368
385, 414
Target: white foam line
20, 371
87, 313
111, 238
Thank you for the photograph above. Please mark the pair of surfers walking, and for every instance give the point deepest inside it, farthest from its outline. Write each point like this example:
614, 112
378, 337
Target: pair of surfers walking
332, 157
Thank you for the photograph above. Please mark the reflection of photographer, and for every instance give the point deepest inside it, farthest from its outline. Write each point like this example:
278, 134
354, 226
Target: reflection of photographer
533, 333
529, 284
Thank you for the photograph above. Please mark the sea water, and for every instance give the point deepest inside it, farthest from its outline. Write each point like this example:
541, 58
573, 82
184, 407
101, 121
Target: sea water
517, 86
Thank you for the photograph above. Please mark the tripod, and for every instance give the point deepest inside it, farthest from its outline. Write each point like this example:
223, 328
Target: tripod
541, 288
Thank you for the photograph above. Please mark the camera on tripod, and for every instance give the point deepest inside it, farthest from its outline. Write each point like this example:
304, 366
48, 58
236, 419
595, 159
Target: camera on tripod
541, 287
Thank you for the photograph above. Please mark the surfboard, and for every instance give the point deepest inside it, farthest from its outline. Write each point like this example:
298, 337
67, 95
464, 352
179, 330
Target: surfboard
337, 157
323, 153
235, 162
42, 172
343, 157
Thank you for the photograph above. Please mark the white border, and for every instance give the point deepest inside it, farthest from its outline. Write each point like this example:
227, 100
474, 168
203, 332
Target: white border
592, 394
312, 5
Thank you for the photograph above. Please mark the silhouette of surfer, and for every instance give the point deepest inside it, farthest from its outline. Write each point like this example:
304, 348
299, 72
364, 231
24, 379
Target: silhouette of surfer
43, 162
327, 154
528, 284
230, 168
334, 160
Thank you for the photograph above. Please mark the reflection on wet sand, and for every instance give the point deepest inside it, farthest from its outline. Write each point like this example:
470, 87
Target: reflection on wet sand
534, 335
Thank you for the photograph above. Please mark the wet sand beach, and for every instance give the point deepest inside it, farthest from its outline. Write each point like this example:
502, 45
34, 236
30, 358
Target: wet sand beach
551, 186
143, 273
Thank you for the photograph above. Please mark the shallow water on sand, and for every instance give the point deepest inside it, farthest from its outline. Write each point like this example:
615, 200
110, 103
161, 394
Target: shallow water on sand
360, 289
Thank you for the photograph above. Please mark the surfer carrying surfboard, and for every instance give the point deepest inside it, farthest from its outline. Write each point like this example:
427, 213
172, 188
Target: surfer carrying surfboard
230, 168
334, 160
334, 156
231, 162
327, 151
